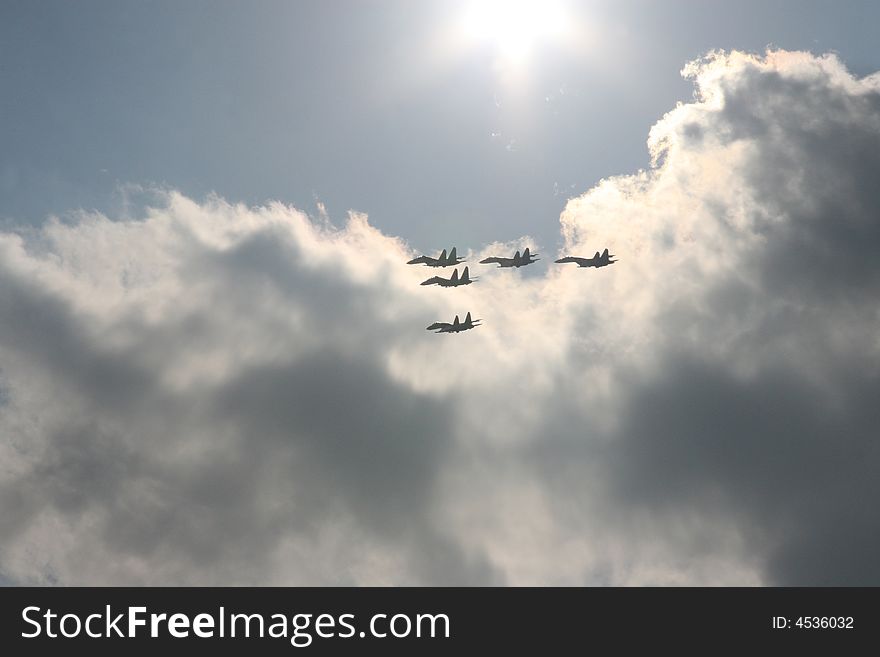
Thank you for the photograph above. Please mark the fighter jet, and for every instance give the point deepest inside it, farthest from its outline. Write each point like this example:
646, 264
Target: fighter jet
456, 326
596, 261
442, 261
453, 281
516, 261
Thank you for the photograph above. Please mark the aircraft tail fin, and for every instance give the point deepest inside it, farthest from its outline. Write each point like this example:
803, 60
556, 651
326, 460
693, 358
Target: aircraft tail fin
516, 255
456, 321
454, 276
526, 253
453, 255
467, 319
597, 256
443, 254
605, 253
466, 275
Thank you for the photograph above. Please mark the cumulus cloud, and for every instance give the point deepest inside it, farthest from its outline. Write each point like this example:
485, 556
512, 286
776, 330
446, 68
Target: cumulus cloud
216, 394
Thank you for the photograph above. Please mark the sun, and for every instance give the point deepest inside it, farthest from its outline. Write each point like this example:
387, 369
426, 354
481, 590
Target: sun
514, 27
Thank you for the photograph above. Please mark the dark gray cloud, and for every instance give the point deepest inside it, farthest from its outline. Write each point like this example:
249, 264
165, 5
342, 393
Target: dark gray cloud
218, 394
758, 411
771, 455
192, 481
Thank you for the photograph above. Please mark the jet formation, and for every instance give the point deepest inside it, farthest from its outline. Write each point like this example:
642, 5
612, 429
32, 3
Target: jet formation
443, 260
518, 260
596, 261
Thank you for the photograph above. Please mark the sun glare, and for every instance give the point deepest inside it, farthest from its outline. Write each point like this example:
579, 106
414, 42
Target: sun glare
514, 27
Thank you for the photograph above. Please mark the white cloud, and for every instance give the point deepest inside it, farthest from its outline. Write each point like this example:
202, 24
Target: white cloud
218, 394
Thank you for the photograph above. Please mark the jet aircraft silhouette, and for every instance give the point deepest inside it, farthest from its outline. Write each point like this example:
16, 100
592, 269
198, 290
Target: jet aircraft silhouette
442, 261
456, 326
453, 281
597, 260
516, 261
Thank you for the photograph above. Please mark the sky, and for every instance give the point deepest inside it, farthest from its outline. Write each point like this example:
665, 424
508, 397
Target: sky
213, 362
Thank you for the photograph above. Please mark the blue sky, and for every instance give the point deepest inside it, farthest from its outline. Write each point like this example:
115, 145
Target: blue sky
347, 103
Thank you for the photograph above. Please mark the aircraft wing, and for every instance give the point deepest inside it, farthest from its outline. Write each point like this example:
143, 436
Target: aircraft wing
501, 262
582, 262
421, 260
